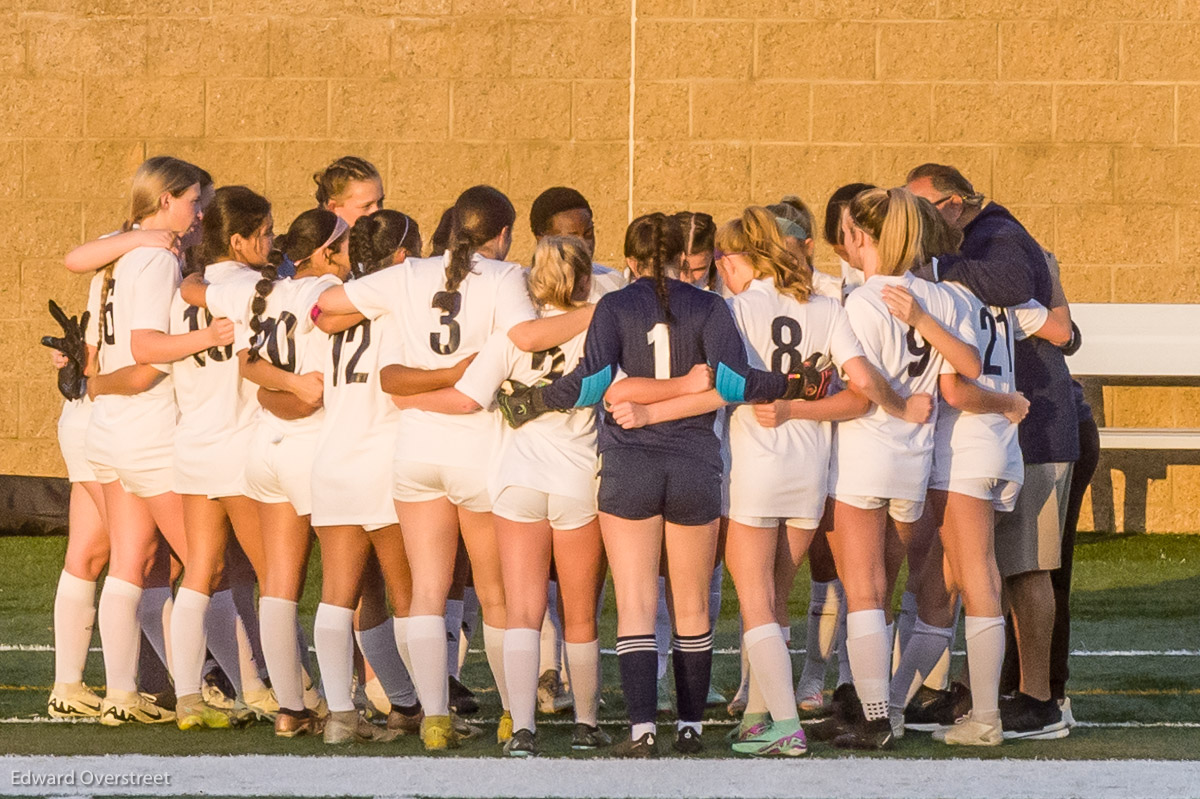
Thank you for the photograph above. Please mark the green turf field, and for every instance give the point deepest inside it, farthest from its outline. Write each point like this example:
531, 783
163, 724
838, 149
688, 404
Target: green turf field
1132, 593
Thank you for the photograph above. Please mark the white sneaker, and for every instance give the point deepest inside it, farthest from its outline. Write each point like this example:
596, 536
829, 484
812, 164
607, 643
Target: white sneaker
968, 732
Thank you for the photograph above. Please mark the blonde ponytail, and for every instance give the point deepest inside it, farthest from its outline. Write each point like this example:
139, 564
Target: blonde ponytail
756, 233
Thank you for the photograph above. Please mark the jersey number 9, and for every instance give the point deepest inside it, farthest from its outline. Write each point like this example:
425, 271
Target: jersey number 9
918, 347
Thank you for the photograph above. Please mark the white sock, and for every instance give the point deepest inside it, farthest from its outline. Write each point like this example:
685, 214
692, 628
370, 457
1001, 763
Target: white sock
696, 726
583, 663
154, 614
985, 657
469, 625
454, 618
714, 596
939, 676
521, 650
926, 644
400, 630
662, 628
427, 648
189, 640
333, 637
279, 625
820, 638
638, 730
869, 647
120, 635
493, 647
302, 649
549, 654
222, 636
379, 648
771, 669
743, 660
844, 675
755, 701
74, 618
248, 667
243, 597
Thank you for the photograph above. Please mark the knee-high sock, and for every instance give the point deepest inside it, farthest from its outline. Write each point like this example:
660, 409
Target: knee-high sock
333, 637
379, 648
521, 649
427, 648
453, 620
904, 626
844, 675
662, 629
771, 668
756, 703
282, 650
154, 616
583, 663
243, 597
692, 659
493, 647
400, 629
939, 676
636, 656
302, 650
926, 644
985, 657
550, 650
120, 635
469, 625
820, 638
222, 634
74, 619
189, 640
714, 596
870, 648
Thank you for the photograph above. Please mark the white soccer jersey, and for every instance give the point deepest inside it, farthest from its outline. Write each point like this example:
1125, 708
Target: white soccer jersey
852, 277
827, 285
134, 432
974, 445
604, 281
555, 453
352, 473
216, 406
879, 455
492, 298
783, 471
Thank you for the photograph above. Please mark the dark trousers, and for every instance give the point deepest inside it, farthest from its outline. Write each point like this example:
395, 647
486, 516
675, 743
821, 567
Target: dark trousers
1060, 578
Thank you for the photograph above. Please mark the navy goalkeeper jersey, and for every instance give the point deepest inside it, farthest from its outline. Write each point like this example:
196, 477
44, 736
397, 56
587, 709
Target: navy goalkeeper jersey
630, 332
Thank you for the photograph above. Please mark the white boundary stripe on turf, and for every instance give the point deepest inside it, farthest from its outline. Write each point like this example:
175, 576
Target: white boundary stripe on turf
266, 775
1077, 653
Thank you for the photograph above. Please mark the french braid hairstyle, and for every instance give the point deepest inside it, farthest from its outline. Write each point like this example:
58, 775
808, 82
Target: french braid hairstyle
656, 243
376, 237
480, 214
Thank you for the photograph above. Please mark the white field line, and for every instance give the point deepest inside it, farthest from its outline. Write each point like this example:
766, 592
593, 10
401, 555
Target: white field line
1078, 653
842, 778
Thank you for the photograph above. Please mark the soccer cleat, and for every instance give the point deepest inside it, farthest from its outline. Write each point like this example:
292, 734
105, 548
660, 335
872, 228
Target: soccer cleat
437, 734
123, 708
212, 693
314, 700
715, 699
969, 732
644, 747
462, 699
405, 723
1026, 718
73, 701
665, 704
847, 712
931, 710
775, 741
291, 724
504, 730
687, 741
551, 696
262, 703
523, 743
896, 719
192, 712
870, 735
464, 729
752, 724
737, 705
349, 726
810, 703
585, 736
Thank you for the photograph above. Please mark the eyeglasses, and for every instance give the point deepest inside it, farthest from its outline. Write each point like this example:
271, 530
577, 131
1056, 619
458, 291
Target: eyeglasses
719, 254
944, 200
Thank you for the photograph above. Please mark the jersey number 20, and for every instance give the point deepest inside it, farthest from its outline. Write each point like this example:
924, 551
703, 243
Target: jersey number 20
279, 340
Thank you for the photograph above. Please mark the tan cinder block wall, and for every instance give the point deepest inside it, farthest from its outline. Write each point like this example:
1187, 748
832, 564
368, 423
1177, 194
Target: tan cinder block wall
1082, 115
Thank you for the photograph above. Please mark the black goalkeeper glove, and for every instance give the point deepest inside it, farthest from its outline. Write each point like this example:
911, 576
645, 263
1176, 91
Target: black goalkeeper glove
811, 381
71, 381
520, 403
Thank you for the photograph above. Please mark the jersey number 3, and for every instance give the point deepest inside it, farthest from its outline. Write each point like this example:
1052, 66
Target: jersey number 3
450, 303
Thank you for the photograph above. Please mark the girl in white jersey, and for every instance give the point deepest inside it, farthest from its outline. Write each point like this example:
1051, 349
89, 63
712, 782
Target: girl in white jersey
445, 308
353, 512
880, 465
129, 439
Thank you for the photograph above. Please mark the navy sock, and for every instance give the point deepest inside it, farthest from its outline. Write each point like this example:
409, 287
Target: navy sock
692, 657
638, 658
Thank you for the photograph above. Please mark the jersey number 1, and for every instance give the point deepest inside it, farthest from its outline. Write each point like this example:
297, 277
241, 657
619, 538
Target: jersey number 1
659, 339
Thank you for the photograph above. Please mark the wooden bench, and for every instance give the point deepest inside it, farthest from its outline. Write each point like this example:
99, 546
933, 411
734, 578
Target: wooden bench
1139, 345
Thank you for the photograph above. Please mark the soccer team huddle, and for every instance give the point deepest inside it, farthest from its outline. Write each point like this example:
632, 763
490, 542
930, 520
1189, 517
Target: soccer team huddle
713, 403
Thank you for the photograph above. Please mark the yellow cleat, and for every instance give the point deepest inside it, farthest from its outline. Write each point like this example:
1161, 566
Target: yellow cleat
192, 712
73, 701
120, 708
262, 703
504, 731
437, 734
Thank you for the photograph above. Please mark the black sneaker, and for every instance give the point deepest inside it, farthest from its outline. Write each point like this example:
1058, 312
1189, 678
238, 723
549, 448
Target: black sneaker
462, 700
847, 712
522, 744
931, 710
873, 735
687, 742
587, 737
644, 747
1024, 717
